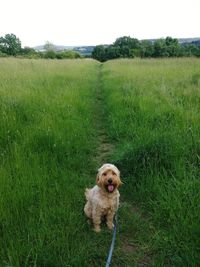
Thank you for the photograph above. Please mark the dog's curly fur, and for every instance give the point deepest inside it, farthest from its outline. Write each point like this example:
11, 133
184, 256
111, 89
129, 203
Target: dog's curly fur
103, 198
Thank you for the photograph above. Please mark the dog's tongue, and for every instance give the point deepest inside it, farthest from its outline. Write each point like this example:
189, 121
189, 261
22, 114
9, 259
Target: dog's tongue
110, 187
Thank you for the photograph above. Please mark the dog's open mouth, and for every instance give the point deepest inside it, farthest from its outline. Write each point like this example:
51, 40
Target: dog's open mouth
110, 188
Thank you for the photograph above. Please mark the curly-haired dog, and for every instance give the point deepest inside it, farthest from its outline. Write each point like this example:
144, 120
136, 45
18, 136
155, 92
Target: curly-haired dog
103, 198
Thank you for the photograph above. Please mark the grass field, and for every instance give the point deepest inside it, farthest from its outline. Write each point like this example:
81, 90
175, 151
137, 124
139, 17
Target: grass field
50, 115
47, 144
154, 120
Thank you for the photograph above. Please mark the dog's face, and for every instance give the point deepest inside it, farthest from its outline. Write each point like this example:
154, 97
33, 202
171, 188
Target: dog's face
108, 178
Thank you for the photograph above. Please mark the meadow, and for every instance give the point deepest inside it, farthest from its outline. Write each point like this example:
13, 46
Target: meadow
50, 115
47, 143
154, 121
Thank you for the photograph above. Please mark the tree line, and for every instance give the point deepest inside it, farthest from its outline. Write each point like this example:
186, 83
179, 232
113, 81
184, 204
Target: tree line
10, 45
127, 47
123, 47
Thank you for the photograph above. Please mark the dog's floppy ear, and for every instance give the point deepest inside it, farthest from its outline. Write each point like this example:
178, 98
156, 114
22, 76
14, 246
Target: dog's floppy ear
97, 179
120, 182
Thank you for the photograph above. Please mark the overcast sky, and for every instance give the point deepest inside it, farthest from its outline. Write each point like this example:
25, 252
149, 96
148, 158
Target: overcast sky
92, 22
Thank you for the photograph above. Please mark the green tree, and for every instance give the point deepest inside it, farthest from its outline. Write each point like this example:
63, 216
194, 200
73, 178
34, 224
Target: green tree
128, 47
67, 54
172, 46
191, 50
30, 52
50, 54
27, 50
168, 47
49, 50
99, 53
160, 49
146, 49
112, 52
10, 44
127, 41
49, 46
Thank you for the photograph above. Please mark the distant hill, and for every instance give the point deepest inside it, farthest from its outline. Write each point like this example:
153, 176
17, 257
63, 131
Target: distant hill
83, 50
184, 41
56, 47
188, 40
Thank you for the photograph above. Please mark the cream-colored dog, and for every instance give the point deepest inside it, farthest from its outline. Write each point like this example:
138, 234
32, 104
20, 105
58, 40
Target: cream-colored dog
103, 198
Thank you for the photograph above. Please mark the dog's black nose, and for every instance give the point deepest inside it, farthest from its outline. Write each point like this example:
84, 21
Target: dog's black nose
110, 181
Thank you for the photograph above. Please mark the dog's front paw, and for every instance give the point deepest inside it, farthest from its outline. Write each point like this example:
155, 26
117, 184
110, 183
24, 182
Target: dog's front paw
97, 228
110, 225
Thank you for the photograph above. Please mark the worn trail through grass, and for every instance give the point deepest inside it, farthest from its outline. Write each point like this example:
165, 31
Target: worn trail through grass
131, 248
105, 148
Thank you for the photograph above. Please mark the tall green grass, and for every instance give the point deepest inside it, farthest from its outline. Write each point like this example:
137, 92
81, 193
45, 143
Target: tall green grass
48, 143
47, 140
152, 111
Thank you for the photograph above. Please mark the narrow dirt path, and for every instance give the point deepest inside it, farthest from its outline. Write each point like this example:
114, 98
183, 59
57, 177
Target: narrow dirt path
105, 148
130, 250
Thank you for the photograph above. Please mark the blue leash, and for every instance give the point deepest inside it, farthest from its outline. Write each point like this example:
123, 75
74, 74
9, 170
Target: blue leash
112, 244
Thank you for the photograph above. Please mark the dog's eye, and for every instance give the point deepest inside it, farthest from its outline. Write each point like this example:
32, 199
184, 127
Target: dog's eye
104, 174
113, 173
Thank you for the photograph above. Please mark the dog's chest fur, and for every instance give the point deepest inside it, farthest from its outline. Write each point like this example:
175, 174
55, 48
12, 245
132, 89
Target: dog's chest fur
105, 201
